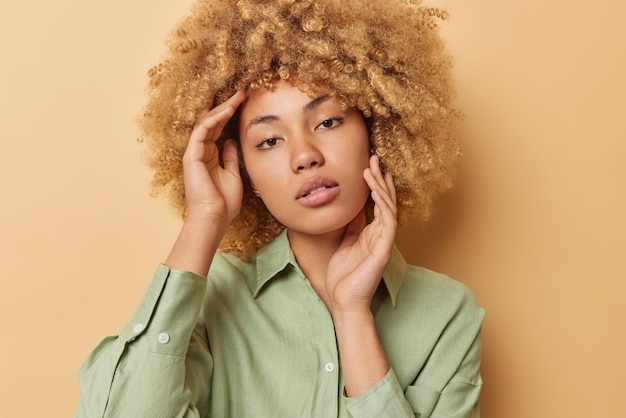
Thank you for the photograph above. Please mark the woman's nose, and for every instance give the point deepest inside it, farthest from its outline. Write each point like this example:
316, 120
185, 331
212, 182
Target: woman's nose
306, 155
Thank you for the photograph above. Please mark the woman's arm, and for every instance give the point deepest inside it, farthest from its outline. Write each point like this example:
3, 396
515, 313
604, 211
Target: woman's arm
213, 193
160, 364
354, 273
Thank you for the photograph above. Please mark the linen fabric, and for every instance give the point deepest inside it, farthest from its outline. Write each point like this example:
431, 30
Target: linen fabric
255, 340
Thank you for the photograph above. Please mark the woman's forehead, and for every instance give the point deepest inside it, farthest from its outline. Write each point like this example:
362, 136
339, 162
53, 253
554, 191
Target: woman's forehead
283, 96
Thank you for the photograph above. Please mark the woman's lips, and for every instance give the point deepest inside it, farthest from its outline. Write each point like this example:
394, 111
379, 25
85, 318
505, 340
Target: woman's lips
317, 191
319, 196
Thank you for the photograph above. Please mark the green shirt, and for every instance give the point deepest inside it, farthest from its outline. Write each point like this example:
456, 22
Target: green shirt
255, 340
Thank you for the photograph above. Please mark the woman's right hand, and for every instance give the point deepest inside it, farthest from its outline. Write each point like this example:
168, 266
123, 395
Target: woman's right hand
212, 191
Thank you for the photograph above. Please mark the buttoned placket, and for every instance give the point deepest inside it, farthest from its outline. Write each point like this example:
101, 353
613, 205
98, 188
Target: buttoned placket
329, 354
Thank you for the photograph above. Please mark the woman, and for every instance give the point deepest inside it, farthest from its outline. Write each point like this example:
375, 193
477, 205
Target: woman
333, 121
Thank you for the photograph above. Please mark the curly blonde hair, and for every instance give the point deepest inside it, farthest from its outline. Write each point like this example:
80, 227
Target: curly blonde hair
383, 57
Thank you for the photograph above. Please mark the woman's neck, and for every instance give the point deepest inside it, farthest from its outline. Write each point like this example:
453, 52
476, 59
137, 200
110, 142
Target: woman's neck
313, 253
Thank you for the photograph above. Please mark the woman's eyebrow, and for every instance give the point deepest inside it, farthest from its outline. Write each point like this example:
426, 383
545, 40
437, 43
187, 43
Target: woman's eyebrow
262, 119
273, 118
315, 103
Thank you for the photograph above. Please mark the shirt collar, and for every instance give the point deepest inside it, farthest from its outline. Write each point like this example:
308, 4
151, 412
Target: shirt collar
274, 257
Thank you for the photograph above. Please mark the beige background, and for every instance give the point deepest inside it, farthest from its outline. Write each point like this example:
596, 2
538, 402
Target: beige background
535, 226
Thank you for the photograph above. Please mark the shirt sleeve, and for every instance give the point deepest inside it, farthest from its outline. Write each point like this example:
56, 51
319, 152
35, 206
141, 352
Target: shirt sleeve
447, 386
449, 383
384, 399
458, 398
160, 363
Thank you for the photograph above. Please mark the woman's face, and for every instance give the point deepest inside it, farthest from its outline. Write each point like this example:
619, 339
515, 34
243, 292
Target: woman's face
305, 157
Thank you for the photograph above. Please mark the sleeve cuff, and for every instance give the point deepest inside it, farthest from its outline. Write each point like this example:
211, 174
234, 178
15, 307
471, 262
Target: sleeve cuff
385, 398
168, 312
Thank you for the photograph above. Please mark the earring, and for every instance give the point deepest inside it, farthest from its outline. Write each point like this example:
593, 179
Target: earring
256, 192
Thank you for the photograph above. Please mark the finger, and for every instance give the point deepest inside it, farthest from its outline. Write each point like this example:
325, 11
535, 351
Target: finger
391, 189
385, 200
226, 110
229, 155
232, 103
379, 181
376, 171
209, 128
383, 208
206, 110
210, 125
376, 187
372, 170
385, 217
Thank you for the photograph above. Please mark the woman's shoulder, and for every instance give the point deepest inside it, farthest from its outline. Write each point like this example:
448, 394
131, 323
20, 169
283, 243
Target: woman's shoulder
228, 260
228, 270
437, 292
434, 282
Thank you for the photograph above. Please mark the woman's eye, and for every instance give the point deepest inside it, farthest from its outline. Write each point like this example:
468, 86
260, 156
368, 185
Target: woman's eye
330, 123
268, 143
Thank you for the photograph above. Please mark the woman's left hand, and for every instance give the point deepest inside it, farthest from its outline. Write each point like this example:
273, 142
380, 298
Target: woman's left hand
356, 268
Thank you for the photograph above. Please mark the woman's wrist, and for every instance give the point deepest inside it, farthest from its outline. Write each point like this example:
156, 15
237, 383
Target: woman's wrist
363, 359
197, 243
356, 316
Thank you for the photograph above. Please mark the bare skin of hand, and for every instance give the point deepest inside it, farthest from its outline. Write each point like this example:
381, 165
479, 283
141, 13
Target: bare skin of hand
356, 268
210, 188
354, 273
213, 193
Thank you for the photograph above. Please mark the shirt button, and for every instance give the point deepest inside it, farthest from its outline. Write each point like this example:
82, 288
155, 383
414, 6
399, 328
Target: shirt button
164, 338
138, 328
329, 367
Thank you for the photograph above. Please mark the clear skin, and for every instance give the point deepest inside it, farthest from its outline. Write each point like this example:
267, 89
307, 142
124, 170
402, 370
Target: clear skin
292, 143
